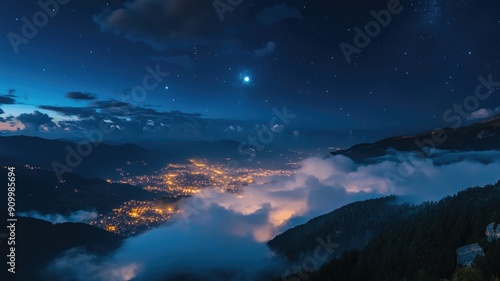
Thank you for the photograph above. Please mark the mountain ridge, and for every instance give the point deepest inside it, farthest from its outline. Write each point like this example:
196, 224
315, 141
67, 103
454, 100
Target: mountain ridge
480, 136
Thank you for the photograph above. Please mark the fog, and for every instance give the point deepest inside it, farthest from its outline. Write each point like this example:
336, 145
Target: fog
78, 216
221, 236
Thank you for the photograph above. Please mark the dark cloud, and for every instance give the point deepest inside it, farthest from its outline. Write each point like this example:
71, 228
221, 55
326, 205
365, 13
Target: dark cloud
162, 24
9, 119
33, 121
170, 24
114, 108
108, 104
278, 13
80, 96
109, 108
1, 111
136, 122
7, 99
81, 112
12, 91
266, 50
184, 61
133, 121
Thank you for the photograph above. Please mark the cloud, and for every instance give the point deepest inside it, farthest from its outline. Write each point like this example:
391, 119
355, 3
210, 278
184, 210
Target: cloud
1, 111
77, 264
135, 122
139, 122
78, 216
114, 109
163, 24
483, 113
36, 121
172, 24
81, 112
266, 50
80, 96
278, 13
213, 246
184, 61
224, 233
7, 99
9, 118
9, 124
109, 104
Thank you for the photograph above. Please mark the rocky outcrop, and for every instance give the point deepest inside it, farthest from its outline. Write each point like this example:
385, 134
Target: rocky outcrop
467, 254
492, 233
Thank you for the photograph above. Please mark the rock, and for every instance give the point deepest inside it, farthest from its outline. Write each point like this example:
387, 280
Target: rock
467, 254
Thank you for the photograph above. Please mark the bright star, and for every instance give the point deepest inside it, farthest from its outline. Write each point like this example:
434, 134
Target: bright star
246, 78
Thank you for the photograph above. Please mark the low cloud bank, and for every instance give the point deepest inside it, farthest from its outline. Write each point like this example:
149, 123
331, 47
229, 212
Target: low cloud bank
222, 236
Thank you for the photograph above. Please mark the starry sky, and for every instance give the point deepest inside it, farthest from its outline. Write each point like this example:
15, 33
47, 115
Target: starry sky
204, 69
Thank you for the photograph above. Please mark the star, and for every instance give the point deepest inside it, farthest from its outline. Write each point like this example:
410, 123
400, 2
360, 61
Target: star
245, 78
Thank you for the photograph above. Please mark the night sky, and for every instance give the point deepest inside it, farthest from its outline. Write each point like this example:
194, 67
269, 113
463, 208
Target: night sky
227, 71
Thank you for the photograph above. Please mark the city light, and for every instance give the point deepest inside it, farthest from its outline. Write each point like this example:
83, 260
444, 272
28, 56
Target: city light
176, 181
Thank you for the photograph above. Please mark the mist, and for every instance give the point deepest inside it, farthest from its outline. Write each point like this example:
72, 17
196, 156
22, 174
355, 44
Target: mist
78, 216
221, 236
